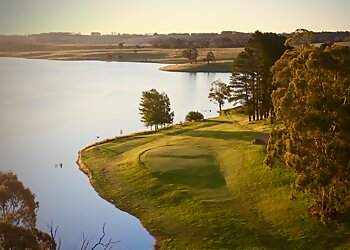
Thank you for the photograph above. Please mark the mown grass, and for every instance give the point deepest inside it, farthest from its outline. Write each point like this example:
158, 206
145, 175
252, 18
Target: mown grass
204, 186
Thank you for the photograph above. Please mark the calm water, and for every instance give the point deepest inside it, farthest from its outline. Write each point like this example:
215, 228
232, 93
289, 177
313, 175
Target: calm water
51, 109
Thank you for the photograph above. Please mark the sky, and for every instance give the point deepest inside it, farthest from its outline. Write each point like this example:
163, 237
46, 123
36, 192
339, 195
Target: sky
171, 16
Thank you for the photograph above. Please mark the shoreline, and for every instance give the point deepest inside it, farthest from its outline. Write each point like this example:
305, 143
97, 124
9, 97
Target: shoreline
169, 57
216, 67
83, 168
200, 67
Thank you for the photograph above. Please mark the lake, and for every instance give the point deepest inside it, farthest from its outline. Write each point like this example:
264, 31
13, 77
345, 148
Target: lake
51, 109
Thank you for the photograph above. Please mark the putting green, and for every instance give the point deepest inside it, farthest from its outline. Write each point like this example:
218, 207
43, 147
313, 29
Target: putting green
185, 165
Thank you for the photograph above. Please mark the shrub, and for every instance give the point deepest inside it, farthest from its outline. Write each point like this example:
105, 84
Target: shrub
194, 116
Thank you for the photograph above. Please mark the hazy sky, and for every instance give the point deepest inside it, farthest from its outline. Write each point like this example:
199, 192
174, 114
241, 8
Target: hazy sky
165, 16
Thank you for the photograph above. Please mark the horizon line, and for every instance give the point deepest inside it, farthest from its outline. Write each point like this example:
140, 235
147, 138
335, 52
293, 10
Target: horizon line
153, 33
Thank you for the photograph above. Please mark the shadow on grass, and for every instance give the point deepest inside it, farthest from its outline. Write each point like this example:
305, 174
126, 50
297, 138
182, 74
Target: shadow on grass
345, 220
226, 135
196, 177
195, 126
267, 236
186, 157
266, 240
192, 127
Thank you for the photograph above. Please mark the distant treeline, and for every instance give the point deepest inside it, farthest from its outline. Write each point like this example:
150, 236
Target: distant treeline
225, 39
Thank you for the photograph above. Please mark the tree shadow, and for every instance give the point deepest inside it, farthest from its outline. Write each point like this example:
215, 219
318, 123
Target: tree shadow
227, 135
344, 219
267, 236
197, 177
190, 128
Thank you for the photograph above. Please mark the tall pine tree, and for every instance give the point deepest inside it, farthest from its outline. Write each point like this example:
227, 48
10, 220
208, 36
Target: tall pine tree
251, 79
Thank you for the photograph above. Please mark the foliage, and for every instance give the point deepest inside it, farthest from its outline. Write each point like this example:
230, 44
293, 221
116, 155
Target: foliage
223, 42
194, 116
17, 203
172, 43
219, 92
251, 79
191, 54
14, 237
121, 45
312, 101
155, 109
210, 57
300, 39
18, 217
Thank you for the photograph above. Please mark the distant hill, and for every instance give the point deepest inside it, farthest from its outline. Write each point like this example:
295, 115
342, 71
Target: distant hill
225, 39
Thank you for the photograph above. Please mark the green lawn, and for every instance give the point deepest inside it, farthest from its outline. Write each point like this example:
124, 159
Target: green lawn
204, 186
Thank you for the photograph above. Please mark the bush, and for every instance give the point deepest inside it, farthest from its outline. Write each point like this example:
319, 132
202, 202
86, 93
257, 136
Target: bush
194, 116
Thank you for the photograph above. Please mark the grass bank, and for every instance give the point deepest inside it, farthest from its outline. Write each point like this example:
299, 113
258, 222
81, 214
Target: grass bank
221, 66
204, 186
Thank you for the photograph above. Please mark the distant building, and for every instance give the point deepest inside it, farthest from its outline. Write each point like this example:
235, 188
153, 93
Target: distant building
95, 34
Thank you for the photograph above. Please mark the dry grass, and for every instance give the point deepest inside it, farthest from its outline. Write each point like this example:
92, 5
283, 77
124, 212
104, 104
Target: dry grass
219, 66
112, 53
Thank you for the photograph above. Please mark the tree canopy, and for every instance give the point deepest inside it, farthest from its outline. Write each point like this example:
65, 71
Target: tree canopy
312, 103
300, 39
251, 80
219, 93
194, 116
18, 217
210, 57
191, 54
17, 203
155, 109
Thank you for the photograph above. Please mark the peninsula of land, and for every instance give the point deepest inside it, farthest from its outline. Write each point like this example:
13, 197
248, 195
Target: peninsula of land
203, 185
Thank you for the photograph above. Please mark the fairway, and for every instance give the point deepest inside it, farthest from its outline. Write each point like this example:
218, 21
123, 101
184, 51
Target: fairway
204, 186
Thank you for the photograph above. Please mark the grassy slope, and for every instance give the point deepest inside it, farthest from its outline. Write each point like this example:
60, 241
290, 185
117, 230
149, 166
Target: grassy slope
234, 201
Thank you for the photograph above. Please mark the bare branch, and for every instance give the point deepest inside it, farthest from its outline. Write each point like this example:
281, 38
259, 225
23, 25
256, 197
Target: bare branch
53, 234
85, 244
107, 245
53, 231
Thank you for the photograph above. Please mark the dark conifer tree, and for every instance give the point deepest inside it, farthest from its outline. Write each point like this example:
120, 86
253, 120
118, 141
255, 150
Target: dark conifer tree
252, 76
